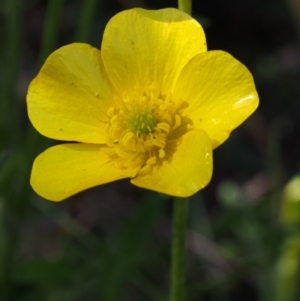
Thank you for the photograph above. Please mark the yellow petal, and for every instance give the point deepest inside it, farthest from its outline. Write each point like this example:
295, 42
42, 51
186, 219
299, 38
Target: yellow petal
188, 172
66, 169
69, 97
220, 92
144, 47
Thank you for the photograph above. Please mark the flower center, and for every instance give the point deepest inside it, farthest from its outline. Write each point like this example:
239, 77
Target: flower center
144, 129
142, 122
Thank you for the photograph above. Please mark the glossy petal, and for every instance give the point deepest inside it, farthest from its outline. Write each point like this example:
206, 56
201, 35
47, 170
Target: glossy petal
66, 169
69, 97
144, 47
188, 172
220, 92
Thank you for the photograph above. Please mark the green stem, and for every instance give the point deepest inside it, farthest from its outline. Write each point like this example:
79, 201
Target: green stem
89, 8
178, 253
10, 62
185, 6
50, 30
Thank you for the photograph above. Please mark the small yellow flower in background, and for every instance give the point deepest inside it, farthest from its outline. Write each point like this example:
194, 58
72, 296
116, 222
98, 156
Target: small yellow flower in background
150, 106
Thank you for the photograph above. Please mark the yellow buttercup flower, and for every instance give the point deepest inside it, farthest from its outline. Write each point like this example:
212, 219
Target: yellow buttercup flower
150, 106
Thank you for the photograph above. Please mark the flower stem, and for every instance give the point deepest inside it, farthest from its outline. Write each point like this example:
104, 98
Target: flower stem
178, 249
185, 6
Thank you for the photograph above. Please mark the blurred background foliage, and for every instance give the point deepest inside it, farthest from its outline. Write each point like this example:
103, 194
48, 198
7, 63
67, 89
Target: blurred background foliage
113, 242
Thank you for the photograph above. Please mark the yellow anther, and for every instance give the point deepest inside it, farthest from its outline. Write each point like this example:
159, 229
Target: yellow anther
164, 126
129, 141
161, 153
124, 154
137, 161
106, 128
151, 161
177, 122
114, 119
148, 143
143, 171
162, 107
111, 112
167, 118
161, 135
159, 143
140, 145
113, 129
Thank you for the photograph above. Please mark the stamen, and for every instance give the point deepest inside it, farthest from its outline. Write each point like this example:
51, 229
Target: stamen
164, 126
142, 125
111, 112
177, 122
159, 143
114, 119
161, 153
138, 161
151, 161
145, 170
129, 141
167, 118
